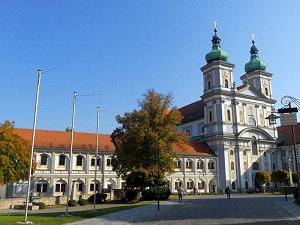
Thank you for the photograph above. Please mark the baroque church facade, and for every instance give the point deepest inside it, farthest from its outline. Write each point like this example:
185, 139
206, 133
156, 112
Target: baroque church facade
231, 118
230, 139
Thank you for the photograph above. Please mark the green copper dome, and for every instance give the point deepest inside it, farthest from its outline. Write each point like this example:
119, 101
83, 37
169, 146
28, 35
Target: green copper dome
255, 63
216, 52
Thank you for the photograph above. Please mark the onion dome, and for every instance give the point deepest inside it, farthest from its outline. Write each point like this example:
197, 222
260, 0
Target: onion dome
255, 63
216, 52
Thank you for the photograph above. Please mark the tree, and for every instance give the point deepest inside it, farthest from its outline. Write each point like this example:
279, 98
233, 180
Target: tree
280, 176
14, 155
145, 133
262, 177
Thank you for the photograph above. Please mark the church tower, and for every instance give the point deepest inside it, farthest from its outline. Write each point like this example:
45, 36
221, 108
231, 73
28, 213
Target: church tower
256, 74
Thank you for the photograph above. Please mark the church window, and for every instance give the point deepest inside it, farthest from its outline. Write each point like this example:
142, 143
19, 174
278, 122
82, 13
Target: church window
244, 152
252, 121
228, 114
266, 91
226, 83
241, 114
208, 84
233, 185
254, 146
250, 110
210, 116
255, 166
231, 152
232, 165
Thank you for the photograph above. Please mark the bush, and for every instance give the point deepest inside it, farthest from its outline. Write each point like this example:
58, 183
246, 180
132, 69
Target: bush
82, 202
123, 200
151, 194
41, 205
72, 203
131, 194
100, 197
296, 193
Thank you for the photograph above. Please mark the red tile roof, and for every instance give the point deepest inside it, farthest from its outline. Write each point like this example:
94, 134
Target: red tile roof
60, 140
192, 111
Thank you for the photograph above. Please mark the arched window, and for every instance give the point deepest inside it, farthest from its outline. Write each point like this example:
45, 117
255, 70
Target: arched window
210, 116
208, 84
211, 165
252, 121
93, 161
254, 146
246, 185
266, 91
233, 185
188, 164
178, 184
232, 165
228, 113
178, 163
255, 166
190, 184
244, 152
231, 152
226, 83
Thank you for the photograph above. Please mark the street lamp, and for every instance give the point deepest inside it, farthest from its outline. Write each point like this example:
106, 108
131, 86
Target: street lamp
96, 157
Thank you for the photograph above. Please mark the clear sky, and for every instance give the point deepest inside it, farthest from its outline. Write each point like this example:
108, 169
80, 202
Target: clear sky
121, 49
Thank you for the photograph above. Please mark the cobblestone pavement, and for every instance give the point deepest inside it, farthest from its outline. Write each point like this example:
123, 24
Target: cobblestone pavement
210, 210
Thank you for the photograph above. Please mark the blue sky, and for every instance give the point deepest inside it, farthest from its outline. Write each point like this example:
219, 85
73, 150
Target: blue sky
123, 48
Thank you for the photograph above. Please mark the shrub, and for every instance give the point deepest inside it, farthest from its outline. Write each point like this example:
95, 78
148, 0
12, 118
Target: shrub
41, 205
131, 194
123, 200
151, 194
82, 202
100, 197
296, 193
72, 203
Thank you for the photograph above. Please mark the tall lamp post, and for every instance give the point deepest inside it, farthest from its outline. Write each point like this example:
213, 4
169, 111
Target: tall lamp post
96, 157
158, 176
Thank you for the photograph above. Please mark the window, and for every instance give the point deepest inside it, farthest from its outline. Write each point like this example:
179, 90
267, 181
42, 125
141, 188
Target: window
211, 165
245, 165
80, 187
266, 91
42, 187
178, 164
93, 162
189, 164
252, 121
228, 115
231, 152
226, 83
79, 160
250, 110
254, 146
246, 185
241, 114
210, 116
244, 152
60, 187
202, 129
108, 162
62, 160
92, 186
200, 164
208, 84
233, 185
190, 184
232, 165
274, 166
44, 159
262, 119
177, 184
255, 166
201, 185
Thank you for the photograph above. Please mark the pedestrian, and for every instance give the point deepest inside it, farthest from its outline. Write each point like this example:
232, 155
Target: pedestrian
195, 191
180, 192
227, 191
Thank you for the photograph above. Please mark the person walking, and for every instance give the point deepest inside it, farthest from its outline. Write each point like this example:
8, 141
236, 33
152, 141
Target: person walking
195, 191
180, 192
227, 191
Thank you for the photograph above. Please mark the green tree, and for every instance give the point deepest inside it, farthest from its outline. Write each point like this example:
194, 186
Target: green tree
295, 177
280, 176
262, 177
145, 133
14, 155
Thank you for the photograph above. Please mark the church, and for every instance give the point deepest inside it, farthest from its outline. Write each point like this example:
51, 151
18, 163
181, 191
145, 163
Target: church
231, 139
232, 120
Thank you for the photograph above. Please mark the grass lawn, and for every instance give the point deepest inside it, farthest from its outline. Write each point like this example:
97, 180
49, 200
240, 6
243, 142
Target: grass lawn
57, 218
